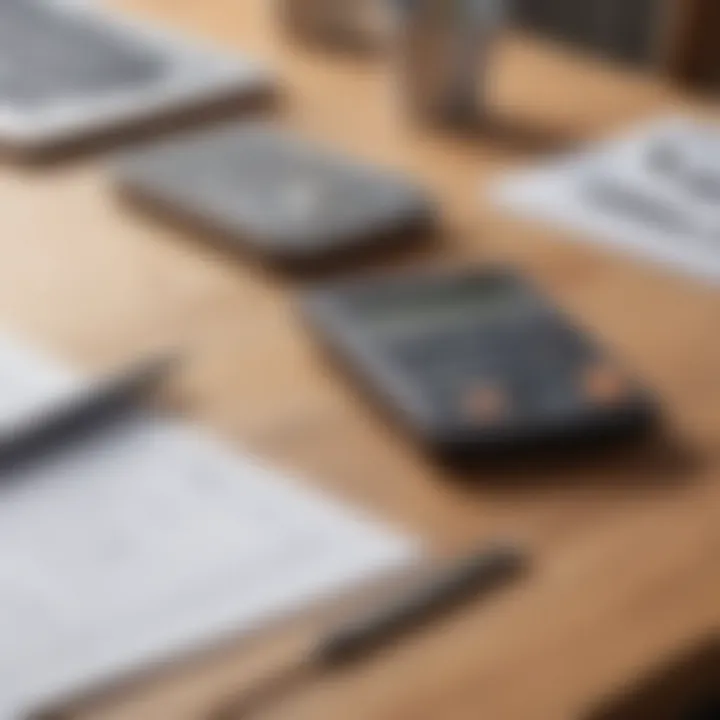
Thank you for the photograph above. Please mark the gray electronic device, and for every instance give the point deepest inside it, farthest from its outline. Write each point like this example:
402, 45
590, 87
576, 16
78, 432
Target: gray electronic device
70, 70
477, 362
277, 194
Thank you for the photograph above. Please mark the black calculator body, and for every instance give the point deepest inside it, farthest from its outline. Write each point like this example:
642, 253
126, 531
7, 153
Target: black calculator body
291, 201
476, 361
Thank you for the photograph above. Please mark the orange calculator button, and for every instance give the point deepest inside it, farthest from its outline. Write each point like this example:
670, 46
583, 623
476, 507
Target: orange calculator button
486, 403
605, 384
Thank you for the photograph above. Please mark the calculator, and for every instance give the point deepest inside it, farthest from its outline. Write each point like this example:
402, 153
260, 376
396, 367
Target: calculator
477, 360
70, 70
257, 187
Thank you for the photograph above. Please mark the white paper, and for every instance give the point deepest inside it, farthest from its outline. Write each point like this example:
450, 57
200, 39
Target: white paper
150, 539
557, 192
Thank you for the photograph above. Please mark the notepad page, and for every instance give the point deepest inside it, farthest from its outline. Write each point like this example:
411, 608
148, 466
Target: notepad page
150, 539
28, 382
558, 191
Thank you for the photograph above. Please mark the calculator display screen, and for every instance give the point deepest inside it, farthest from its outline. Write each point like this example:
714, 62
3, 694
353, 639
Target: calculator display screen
424, 309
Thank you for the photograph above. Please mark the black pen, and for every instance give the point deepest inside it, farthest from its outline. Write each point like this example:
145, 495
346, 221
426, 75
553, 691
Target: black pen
83, 411
355, 641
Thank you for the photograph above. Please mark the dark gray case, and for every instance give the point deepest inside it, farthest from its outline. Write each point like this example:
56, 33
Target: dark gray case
409, 377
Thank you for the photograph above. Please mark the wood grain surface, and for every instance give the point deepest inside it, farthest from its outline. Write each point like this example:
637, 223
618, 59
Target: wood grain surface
626, 547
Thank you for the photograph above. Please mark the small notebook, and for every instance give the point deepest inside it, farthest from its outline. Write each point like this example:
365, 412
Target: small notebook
654, 193
146, 540
70, 69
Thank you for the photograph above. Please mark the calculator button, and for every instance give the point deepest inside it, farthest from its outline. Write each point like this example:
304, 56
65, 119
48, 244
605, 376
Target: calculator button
558, 399
605, 384
486, 403
555, 341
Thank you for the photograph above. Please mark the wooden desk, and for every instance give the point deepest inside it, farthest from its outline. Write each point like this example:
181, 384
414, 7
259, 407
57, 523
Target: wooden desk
626, 550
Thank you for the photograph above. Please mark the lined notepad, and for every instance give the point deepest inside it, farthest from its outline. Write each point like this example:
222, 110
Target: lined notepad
620, 194
148, 539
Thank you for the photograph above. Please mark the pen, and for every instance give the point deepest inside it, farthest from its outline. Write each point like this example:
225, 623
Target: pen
104, 400
480, 572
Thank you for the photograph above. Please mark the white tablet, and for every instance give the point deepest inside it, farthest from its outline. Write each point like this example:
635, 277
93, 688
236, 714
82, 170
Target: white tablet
69, 70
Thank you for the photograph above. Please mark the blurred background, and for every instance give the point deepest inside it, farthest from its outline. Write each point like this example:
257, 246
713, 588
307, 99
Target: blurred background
552, 166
